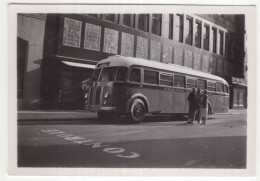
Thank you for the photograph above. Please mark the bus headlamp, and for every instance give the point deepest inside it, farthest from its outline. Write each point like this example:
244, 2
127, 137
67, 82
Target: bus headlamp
106, 95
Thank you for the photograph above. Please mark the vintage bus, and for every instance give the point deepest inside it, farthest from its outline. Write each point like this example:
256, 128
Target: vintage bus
133, 87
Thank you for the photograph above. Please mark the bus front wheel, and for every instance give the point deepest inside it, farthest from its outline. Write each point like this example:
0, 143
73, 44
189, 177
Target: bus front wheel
137, 111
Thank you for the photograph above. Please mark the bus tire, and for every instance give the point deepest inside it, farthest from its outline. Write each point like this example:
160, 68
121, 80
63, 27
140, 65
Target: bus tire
137, 111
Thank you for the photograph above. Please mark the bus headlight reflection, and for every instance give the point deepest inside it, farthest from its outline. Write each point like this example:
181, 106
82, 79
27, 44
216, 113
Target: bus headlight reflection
106, 95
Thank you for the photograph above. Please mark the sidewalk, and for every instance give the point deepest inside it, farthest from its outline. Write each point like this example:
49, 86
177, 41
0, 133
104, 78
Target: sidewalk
54, 114
75, 114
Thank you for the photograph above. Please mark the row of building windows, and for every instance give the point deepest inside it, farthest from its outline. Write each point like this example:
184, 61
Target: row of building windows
158, 51
181, 28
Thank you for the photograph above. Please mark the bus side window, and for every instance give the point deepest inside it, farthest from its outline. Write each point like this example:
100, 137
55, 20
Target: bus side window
151, 77
166, 79
225, 89
179, 81
191, 82
212, 86
121, 73
220, 87
202, 84
135, 75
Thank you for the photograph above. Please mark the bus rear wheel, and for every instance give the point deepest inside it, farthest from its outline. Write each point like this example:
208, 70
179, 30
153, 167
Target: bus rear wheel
137, 111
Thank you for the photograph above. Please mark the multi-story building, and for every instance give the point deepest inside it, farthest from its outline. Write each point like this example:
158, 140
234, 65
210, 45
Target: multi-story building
74, 43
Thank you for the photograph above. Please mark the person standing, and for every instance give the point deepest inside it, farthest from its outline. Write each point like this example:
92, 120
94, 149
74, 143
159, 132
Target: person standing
204, 107
192, 105
198, 99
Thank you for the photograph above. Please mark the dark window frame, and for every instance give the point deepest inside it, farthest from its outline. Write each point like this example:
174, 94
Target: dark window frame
190, 85
157, 77
131, 20
180, 27
204, 82
214, 39
197, 40
129, 74
189, 41
209, 87
184, 81
156, 24
145, 22
221, 42
165, 80
206, 37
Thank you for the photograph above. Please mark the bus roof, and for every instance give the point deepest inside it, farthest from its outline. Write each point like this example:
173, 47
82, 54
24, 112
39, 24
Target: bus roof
130, 61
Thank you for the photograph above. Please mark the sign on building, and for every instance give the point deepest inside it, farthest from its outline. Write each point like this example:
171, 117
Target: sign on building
167, 54
155, 52
127, 45
178, 56
72, 32
197, 60
92, 37
142, 48
205, 63
110, 41
188, 58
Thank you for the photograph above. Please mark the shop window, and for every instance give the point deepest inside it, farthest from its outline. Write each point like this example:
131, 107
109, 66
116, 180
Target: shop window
135, 75
151, 77
179, 81
206, 37
188, 30
166, 79
198, 34
191, 82
236, 98
128, 20
221, 41
143, 22
241, 98
72, 32
22, 52
214, 41
156, 24
178, 30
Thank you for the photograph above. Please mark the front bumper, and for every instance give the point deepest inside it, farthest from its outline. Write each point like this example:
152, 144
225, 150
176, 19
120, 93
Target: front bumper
100, 108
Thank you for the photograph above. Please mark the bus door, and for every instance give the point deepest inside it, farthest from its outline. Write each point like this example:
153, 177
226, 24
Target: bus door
179, 97
151, 89
134, 82
165, 93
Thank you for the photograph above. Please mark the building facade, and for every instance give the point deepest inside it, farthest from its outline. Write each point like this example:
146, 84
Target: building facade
74, 43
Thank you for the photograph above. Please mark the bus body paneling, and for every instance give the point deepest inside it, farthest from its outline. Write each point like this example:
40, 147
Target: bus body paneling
152, 87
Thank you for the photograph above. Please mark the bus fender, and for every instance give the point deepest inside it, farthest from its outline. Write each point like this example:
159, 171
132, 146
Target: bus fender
140, 96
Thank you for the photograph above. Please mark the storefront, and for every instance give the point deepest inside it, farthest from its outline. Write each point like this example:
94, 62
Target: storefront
65, 87
238, 93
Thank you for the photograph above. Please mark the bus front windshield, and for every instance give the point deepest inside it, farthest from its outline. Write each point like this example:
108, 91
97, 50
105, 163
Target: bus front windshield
109, 74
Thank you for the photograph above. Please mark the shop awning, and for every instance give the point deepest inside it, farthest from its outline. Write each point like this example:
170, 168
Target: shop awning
82, 65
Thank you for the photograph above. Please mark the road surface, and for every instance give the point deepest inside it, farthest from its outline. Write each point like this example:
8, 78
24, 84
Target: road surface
158, 142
